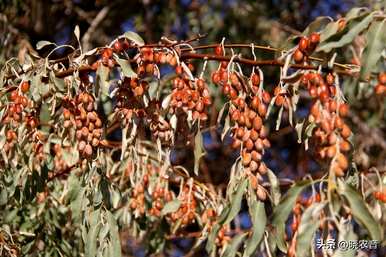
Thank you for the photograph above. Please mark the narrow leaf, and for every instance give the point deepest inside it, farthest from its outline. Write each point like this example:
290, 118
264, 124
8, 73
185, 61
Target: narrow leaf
348, 37
171, 206
308, 225
360, 212
376, 39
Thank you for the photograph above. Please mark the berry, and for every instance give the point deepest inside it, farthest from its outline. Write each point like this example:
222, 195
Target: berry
303, 44
24, 87
218, 50
298, 56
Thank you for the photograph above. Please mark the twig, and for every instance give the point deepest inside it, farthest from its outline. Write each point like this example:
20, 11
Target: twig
93, 26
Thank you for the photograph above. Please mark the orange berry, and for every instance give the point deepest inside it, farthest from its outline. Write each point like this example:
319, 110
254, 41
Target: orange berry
303, 44
24, 87
298, 56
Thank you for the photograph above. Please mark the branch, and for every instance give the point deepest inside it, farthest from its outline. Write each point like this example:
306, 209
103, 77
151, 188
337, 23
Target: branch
93, 26
255, 63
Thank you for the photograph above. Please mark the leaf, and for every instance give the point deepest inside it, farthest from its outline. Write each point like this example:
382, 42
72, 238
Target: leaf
92, 235
275, 187
171, 206
308, 225
102, 88
231, 249
347, 234
348, 37
45, 117
75, 196
235, 204
127, 71
134, 37
198, 151
114, 236
376, 37
316, 25
355, 13
282, 211
299, 129
43, 43
359, 210
77, 32
259, 221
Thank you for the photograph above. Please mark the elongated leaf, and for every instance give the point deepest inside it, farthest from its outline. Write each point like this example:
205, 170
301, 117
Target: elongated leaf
115, 250
232, 248
376, 43
275, 187
198, 151
92, 235
319, 22
360, 212
102, 87
127, 71
259, 220
171, 206
356, 12
348, 37
43, 43
282, 211
308, 225
134, 37
45, 117
235, 201
346, 234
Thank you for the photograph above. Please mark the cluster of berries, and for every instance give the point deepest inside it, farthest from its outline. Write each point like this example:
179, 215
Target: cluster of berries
87, 123
190, 96
250, 133
380, 196
380, 88
161, 129
331, 133
137, 201
305, 47
187, 210
301, 204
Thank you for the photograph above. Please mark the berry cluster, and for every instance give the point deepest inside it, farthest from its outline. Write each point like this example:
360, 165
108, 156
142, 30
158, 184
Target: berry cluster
161, 129
380, 88
250, 133
331, 134
17, 114
190, 96
160, 197
87, 123
301, 204
137, 201
305, 47
59, 163
223, 237
380, 196
230, 83
187, 209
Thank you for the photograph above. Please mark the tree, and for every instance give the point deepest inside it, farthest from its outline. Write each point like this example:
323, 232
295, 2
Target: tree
157, 143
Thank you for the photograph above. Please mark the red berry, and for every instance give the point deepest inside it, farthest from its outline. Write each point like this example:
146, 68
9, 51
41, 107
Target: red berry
303, 44
218, 50
118, 46
107, 53
298, 56
25, 87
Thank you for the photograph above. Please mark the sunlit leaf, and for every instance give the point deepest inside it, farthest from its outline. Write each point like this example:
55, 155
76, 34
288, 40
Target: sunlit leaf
360, 211
309, 223
376, 43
